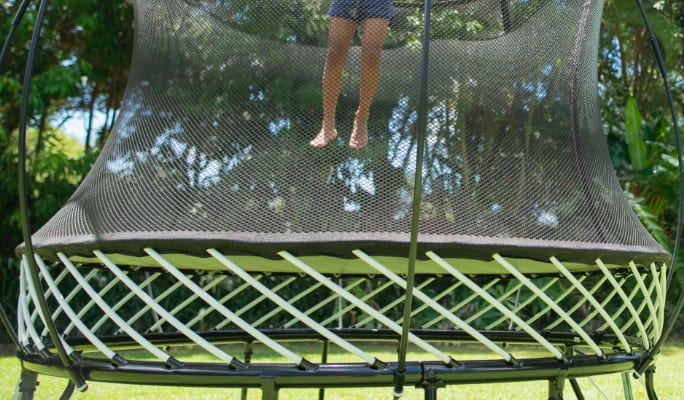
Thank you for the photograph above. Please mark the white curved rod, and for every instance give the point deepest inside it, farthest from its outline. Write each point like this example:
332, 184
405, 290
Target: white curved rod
138, 338
124, 299
579, 304
290, 301
157, 299
547, 308
206, 311
363, 306
48, 293
244, 325
627, 302
435, 306
490, 304
326, 301
30, 333
497, 304
365, 298
613, 326
524, 304
256, 301
546, 299
83, 329
110, 285
647, 297
460, 305
396, 302
157, 325
370, 360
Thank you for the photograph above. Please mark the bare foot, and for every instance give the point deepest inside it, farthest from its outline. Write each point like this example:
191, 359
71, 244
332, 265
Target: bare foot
359, 136
323, 137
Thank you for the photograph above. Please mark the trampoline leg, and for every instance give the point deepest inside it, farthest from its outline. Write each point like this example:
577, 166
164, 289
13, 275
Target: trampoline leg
269, 391
68, 391
627, 386
650, 384
430, 393
249, 350
556, 388
576, 389
26, 387
324, 359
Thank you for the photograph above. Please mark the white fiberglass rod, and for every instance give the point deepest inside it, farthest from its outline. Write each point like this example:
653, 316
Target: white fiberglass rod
208, 310
189, 300
546, 299
197, 339
22, 334
647, 297
365, 298
447, 360
112, 315
166, 293
397, 301
124, 299
490, 304
31, 333
435, 306
458, 306
558, 299
109, 353
244, 325
292, 310
626, 301
604, 314
522, 305
48, 293
256, 301
578, 304
327, 301
111, 284
290, 301
497, 304
660, 298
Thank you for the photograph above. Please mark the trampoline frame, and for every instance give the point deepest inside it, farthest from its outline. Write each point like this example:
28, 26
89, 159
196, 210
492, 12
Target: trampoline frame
37, 354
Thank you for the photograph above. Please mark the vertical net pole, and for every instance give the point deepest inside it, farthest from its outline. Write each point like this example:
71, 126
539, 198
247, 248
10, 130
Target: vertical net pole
42, 305
417, 196
680, 205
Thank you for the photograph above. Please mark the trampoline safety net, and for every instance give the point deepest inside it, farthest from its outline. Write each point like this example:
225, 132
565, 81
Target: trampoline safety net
211, 146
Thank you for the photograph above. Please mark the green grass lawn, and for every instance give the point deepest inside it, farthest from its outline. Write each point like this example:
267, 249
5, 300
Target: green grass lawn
669, 385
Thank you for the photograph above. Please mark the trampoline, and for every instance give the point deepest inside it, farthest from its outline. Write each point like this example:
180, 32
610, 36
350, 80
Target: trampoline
483, 210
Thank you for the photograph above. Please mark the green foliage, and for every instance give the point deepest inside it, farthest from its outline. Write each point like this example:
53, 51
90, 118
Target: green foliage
635, 145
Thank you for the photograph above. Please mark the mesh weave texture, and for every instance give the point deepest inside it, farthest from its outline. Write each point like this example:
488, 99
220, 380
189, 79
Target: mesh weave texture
211, 146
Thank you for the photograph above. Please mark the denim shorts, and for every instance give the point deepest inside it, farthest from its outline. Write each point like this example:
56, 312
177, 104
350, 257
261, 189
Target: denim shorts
359, 10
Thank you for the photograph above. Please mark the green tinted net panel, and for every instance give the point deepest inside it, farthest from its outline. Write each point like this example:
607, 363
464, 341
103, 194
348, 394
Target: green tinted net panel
211, 146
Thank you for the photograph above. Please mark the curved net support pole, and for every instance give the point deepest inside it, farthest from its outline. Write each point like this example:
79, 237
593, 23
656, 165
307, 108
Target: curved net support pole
37, 291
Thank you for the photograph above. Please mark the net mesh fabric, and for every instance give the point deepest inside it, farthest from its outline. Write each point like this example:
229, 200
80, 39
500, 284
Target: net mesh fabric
212, 141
